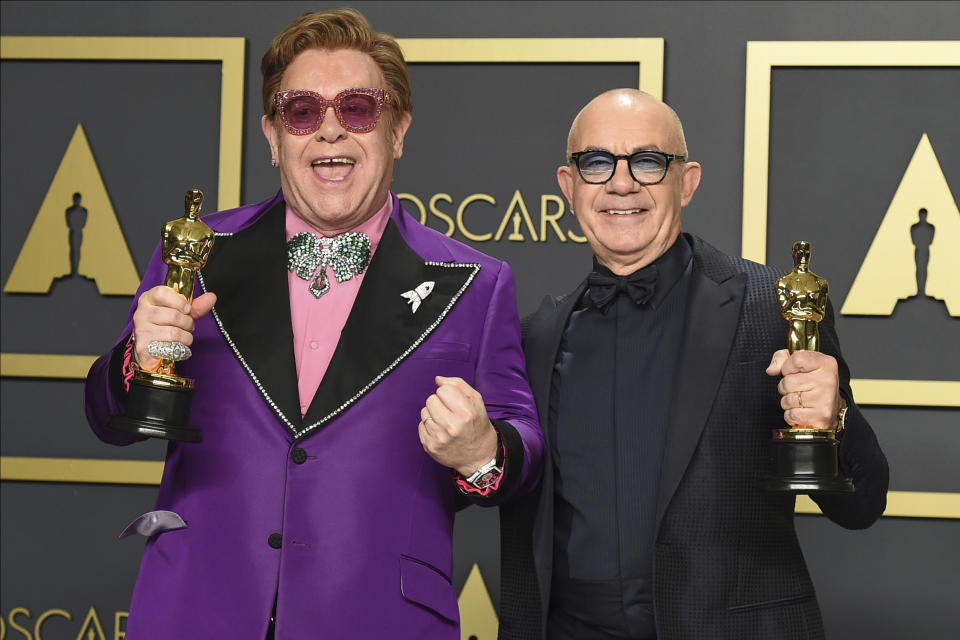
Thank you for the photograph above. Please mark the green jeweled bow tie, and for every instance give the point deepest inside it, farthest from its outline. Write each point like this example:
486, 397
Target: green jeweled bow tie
309, 255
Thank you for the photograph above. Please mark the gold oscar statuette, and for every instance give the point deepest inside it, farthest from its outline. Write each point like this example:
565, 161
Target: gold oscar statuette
804, 458
158, 404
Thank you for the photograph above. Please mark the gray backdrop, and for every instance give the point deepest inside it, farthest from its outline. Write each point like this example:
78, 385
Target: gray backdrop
840, 140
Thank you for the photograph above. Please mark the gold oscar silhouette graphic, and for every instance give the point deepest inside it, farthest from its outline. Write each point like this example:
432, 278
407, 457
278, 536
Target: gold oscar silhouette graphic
87, 244
914, 257
516, 236
159, 402
804, 458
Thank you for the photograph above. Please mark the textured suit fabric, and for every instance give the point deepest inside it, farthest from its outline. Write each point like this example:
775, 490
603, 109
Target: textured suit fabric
341, 515
727, 563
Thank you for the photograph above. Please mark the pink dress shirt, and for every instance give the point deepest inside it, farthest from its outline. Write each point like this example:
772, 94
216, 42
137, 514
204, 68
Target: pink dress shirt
317, 322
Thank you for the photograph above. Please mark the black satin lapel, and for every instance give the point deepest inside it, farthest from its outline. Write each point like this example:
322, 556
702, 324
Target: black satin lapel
712, 316
382, 327
247, 270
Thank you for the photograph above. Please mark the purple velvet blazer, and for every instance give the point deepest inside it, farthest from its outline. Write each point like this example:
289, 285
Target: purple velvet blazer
341, 514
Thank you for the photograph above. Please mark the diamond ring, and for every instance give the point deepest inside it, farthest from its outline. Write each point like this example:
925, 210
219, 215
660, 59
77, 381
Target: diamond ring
175, 351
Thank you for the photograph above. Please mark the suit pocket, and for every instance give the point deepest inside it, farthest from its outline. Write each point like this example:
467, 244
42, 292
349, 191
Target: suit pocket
438, 350
153, 522
425, 585
771, 604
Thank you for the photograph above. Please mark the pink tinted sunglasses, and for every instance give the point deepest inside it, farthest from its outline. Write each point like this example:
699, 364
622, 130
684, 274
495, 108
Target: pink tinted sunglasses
302, 111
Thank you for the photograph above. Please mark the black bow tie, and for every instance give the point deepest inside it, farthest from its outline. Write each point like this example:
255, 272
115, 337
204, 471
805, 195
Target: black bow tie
604, 288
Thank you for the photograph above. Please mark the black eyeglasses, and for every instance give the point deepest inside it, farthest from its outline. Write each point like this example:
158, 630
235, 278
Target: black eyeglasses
646, 167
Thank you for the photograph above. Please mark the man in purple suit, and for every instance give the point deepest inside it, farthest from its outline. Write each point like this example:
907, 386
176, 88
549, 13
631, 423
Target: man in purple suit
358, 377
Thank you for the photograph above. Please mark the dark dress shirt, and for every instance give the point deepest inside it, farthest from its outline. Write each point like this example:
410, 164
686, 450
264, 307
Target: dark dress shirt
608, 414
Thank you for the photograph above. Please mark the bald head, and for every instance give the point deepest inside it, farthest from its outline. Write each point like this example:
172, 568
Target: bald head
620, 103
629, 220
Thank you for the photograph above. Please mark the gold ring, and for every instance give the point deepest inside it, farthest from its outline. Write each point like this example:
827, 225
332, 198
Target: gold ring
800, 399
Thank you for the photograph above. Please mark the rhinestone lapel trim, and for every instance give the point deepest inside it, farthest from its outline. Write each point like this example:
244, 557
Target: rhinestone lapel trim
475, 267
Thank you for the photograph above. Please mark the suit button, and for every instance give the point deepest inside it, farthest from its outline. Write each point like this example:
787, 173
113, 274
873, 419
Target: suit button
275, 540
299, 455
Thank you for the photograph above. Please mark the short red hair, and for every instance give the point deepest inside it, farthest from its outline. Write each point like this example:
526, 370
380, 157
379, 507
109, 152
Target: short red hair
332, 30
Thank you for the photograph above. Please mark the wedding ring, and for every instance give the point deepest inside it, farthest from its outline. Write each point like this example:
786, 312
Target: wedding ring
799, 398
176, 351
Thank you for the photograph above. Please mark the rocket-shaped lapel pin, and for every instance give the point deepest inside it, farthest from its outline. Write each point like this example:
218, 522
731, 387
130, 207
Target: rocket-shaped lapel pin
418, 294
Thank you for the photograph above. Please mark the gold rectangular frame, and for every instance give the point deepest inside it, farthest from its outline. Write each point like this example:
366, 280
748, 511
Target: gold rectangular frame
647, 53
228, 51
762, 57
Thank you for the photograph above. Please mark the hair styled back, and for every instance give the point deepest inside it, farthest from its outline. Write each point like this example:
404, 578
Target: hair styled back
332, 30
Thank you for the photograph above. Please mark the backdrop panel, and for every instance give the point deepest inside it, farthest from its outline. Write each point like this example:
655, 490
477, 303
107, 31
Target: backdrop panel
479, 164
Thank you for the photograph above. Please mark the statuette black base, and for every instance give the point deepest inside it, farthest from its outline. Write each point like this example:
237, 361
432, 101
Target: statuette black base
806, 466
157, 412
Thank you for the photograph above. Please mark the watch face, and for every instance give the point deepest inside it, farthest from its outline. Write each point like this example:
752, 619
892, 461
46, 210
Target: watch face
487, 479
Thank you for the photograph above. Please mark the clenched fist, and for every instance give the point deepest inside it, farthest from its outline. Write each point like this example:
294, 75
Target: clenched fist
455, 429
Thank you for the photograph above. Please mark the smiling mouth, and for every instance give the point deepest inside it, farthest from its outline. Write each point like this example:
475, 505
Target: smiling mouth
622, 212
333, 169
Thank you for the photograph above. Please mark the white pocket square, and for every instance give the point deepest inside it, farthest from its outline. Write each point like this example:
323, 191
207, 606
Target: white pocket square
154, 522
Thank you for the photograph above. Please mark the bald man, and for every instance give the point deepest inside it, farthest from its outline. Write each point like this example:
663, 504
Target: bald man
659, 380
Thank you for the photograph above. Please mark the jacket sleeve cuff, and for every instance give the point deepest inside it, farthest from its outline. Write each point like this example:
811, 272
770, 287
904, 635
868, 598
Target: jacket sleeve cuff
122, 368
511, 448
468, 489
